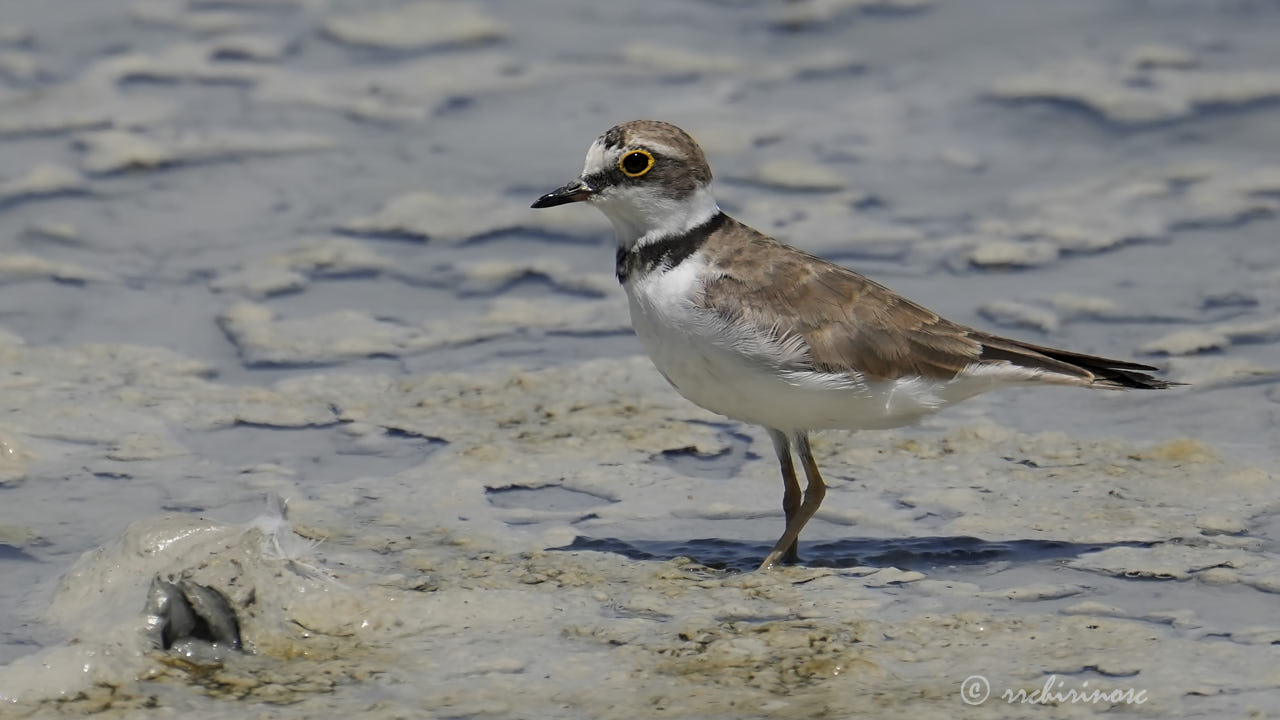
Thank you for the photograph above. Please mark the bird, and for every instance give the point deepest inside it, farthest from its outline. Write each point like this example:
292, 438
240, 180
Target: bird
758, 331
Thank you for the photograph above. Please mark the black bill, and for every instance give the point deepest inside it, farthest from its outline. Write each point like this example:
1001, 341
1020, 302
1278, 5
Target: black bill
575, 191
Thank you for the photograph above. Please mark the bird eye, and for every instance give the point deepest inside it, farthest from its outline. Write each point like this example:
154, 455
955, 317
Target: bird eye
635, 163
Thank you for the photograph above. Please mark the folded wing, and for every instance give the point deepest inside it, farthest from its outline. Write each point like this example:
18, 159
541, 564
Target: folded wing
851, 324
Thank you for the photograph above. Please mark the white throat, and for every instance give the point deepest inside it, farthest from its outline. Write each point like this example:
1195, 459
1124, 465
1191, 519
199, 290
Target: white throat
641, 216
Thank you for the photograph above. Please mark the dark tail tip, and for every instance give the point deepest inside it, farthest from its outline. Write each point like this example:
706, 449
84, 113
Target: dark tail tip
1129, 379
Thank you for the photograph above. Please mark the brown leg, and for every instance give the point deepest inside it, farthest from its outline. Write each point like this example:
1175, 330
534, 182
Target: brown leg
790, 486
813, 494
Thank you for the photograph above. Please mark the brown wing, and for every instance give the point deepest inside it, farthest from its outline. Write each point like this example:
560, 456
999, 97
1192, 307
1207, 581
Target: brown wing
852, 324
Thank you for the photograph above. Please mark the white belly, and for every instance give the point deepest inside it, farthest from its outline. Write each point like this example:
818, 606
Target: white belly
741, 374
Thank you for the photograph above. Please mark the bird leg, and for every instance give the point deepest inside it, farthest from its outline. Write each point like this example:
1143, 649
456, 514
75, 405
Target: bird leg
790, 486
814, 492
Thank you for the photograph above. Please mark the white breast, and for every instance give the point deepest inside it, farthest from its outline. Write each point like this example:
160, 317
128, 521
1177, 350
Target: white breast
750, 375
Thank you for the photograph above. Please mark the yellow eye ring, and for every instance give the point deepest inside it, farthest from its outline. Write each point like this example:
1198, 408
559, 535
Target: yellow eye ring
630, 163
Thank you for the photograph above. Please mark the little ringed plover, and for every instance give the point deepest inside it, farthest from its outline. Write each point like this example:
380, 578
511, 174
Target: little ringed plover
758, 331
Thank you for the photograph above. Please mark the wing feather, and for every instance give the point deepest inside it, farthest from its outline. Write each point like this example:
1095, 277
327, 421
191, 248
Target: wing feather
853, 325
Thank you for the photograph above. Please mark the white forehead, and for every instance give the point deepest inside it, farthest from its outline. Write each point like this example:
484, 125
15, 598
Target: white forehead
600, 158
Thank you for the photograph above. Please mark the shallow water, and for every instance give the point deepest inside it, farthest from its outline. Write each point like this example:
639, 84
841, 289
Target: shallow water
283, 246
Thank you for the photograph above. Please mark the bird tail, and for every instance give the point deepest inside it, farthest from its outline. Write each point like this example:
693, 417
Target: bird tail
1104, 372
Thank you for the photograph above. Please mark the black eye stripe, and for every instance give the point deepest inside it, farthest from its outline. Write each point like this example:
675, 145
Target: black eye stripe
601, 179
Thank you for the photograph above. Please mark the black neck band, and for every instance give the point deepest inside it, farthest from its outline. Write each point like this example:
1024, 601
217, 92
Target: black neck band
668, 251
